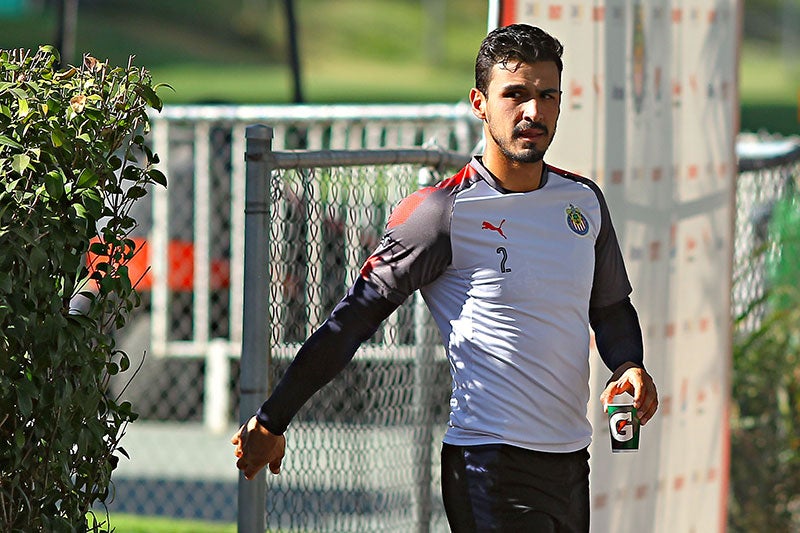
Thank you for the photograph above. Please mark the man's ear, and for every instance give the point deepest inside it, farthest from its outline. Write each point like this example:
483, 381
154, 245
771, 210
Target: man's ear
478, 103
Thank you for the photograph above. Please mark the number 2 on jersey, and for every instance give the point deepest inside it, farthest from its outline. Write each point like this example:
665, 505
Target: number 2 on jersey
504, 253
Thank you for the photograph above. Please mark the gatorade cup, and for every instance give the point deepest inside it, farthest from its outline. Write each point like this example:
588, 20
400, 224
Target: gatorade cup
623, 423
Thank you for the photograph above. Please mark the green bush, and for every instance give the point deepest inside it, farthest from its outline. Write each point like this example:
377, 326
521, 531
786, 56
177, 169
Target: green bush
73, 160
765, 423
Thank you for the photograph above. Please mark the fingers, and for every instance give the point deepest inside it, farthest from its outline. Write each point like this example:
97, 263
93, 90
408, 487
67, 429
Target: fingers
645, 396
639, 384
614, 388
649, 403
275, 466
238, 441
249, 470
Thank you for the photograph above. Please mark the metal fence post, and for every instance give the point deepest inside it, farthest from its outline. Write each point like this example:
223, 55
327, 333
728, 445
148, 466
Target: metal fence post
253, 379
424, 358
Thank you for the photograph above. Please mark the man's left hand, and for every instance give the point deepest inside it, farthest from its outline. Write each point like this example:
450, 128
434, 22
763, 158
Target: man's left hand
638, 383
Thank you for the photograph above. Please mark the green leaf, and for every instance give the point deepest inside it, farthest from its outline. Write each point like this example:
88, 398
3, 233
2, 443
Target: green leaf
149, 96
24, 401
51, 50
112, 368
157, 176
20, 163
23, 108
136, 192
37, 259
56, 137
54, 183
10, 142
98, 248
87, 178
5, 283
92, 202
20, 93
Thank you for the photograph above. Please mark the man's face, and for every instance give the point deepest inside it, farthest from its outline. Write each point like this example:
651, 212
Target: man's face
520, 110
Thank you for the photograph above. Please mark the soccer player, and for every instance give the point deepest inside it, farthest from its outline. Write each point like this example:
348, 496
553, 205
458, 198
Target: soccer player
516, 260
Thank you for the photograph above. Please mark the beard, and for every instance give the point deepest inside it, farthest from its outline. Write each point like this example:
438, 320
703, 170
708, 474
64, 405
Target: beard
528, 153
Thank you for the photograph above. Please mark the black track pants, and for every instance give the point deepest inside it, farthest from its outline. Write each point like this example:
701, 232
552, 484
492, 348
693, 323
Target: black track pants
503, 488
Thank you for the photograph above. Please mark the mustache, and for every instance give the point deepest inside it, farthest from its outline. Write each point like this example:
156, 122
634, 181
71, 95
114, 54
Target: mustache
528, 125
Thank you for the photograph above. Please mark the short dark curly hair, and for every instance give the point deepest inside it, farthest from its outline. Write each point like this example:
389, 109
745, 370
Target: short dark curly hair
516, 42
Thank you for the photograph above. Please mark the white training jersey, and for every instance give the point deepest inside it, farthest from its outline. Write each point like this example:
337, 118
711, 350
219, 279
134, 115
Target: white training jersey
509, 278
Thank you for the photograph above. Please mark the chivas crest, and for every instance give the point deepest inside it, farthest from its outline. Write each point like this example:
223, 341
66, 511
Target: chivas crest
576, 220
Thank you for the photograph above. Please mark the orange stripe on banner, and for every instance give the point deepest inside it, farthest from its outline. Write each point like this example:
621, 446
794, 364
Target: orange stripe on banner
655, 250
657, 173
666, 406
600, 501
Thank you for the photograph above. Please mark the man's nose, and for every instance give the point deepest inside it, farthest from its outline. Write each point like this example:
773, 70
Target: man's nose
531, 111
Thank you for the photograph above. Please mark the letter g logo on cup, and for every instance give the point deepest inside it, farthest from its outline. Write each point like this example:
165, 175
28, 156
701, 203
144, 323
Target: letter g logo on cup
622, 426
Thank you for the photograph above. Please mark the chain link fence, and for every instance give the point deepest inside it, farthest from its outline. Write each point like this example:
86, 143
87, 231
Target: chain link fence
191, 238
768, 172
363, 449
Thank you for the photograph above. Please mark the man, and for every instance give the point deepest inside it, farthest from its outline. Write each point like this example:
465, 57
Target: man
515, 260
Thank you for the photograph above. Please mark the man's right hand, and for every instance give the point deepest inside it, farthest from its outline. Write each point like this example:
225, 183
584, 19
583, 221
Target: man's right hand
256, 448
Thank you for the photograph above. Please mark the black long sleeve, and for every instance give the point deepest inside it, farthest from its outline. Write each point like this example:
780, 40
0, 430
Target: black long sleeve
618, 335
325, 353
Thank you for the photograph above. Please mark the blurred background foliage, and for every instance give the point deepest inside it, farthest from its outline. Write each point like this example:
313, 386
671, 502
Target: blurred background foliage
353, 51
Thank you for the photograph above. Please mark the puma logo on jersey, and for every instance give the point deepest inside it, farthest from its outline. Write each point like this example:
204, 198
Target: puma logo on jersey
492, 227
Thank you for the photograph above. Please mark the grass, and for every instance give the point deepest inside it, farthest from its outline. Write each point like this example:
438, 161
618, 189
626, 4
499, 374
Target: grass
123, 523
221, 53
769, 85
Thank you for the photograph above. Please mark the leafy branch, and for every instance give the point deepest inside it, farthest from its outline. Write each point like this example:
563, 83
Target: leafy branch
73, 161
